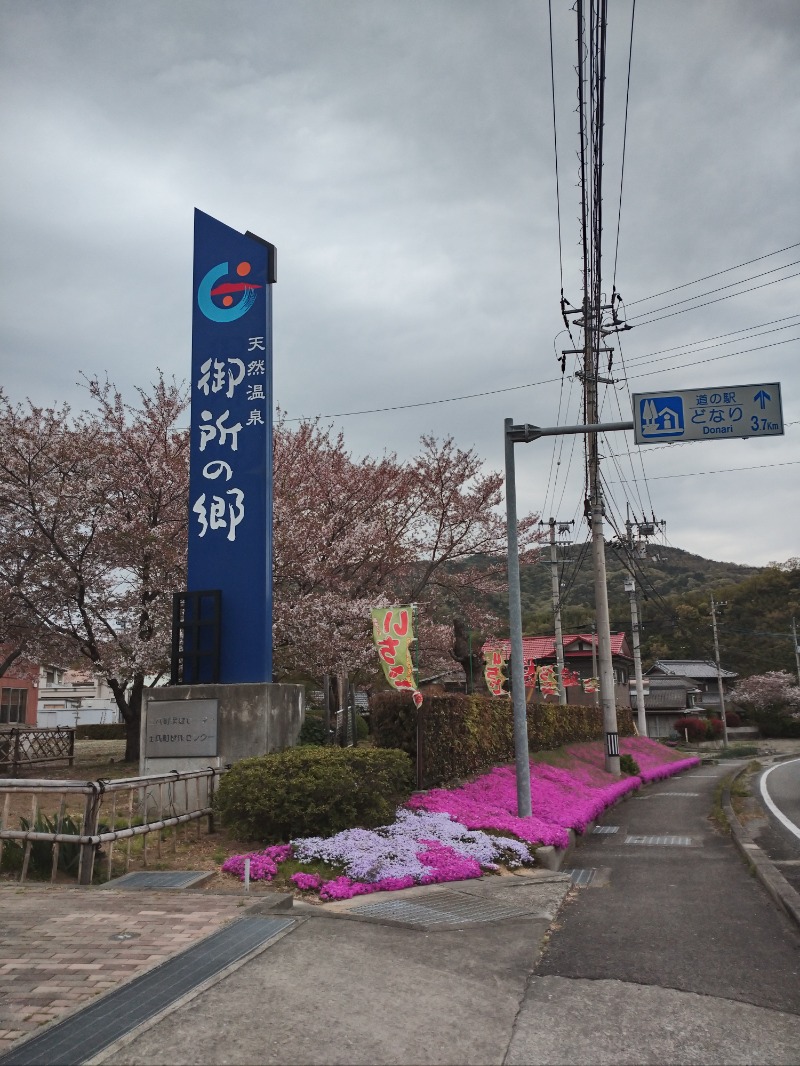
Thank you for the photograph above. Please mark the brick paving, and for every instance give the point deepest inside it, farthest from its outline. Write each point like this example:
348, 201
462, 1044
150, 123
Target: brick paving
57, 951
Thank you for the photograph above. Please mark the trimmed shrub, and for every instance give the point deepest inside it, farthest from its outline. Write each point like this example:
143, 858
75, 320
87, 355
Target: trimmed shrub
714, 728
696, 728
465, 734
313, 731
312, 792
628, 765
111, 731
362, 728
733, 719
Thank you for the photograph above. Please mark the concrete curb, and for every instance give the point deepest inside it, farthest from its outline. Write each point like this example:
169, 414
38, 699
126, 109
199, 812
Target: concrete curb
759, 862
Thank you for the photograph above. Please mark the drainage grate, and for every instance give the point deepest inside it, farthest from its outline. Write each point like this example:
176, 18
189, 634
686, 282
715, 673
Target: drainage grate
656, 794
605, 830
581, 878
664, 842
445, 908
157, 879
85, 1034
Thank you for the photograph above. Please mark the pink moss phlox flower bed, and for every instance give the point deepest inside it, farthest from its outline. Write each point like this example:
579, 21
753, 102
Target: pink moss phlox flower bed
263, 864
562, 800
654, 760
439, 836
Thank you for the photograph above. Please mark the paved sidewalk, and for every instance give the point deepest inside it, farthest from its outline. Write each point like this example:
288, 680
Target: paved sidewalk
58, 948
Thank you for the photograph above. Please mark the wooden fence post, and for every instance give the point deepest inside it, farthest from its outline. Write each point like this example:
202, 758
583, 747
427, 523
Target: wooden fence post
15, 763
91, 812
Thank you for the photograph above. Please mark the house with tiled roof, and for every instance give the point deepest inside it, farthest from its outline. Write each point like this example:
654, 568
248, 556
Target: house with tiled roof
702, 673
580, 649
666, 698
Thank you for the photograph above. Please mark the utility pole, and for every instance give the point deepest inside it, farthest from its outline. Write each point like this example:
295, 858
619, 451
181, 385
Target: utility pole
630, 588
591, 93
796, 649
714, 606
559, 639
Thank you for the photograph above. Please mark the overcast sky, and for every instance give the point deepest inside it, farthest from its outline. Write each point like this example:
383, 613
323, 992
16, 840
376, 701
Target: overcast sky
400, 155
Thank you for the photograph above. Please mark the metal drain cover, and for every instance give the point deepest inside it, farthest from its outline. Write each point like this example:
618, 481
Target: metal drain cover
675, 794
157, 879
445, 908
581, 878
605, 830
663, 842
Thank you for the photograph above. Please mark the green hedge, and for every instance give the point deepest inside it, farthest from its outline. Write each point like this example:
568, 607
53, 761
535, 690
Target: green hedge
312, 791
114, 731
465, 734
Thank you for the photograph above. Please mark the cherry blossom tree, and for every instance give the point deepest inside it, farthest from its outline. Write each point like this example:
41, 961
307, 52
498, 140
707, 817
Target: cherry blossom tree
351, 534
772, 700
94, 532
96, 538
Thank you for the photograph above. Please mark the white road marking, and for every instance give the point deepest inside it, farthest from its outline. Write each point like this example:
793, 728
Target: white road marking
766, 797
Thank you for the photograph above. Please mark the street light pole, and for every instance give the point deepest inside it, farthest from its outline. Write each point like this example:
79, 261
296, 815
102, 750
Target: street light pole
521, 754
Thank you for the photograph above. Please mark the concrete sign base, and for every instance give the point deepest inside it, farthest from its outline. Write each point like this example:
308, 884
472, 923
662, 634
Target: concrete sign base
245, 720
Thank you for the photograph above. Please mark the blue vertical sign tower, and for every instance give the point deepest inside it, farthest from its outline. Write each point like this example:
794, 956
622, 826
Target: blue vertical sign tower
230, 478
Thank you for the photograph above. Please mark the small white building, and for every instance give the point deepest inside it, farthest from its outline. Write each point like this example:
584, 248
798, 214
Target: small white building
74, 698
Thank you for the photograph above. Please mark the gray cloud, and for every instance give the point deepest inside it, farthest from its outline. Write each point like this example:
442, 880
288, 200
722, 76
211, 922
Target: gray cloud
400, 155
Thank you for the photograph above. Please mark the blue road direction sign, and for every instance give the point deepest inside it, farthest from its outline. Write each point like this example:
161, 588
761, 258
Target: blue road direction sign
717, 413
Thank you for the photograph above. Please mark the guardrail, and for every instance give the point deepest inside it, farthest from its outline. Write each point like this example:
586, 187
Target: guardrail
148, 804
23, 747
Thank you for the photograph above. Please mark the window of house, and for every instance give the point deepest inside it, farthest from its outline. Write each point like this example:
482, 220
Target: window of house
13, 703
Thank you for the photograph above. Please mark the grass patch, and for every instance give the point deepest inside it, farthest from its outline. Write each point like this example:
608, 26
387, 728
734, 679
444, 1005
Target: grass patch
738, 751
717, 815
558, 757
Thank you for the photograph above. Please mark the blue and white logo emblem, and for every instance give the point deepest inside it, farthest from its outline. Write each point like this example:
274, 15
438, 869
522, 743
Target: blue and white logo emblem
661, 418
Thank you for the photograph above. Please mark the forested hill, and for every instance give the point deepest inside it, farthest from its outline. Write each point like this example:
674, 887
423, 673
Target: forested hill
674, 602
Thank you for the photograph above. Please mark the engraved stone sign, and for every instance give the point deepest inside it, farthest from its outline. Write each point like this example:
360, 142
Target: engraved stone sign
181, 728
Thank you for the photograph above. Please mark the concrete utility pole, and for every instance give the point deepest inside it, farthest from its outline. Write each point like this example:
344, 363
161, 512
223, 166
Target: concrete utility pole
630, 588
796, 649
714, 606
559, 639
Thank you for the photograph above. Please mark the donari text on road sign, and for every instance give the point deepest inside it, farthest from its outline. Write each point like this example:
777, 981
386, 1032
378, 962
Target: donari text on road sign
717, 413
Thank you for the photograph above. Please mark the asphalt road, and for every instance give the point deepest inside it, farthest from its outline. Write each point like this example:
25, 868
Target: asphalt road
778, 791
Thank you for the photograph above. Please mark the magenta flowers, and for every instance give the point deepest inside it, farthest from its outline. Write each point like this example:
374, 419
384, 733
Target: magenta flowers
455, 834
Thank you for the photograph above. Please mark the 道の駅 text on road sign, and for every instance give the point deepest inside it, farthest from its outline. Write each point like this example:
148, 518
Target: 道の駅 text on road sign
708, 414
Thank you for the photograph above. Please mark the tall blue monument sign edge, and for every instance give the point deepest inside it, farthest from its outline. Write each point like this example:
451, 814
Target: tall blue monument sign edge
230, 470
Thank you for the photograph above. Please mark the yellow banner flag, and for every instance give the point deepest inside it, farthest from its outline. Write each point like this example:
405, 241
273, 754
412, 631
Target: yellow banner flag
393, 630
495, 670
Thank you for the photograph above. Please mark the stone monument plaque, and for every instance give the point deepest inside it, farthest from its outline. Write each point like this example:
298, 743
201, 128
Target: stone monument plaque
181, 729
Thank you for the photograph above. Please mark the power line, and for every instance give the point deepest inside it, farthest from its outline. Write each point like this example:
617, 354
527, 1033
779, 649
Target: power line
624, 144
717, 273
719, 299
711, 359
727, 470
730, 285
555, 142
701, 346
424, 403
